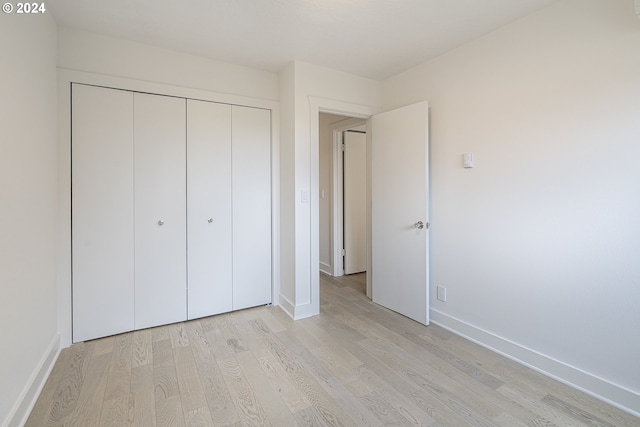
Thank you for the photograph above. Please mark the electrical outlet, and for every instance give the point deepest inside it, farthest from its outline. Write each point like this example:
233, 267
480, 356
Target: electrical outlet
441, 292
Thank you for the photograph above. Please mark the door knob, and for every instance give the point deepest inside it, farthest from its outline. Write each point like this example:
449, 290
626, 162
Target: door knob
161, 222
419, 225
210, 220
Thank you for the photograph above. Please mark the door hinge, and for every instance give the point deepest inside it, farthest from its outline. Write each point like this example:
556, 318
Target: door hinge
344, 252
342, 146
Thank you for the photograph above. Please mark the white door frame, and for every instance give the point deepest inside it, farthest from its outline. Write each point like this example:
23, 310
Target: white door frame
316, 106
65, 78
337, 203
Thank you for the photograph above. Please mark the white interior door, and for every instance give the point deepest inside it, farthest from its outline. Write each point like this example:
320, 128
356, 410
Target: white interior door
355, 202
209, 239
160, 210
251, 190
102, 212
399, 211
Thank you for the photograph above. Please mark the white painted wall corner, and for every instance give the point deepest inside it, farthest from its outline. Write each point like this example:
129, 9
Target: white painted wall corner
326, 268
27, 399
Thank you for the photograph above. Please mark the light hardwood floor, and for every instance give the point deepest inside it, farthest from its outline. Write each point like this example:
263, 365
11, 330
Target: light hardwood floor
356, 364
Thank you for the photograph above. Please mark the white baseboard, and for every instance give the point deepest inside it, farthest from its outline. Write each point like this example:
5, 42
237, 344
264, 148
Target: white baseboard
304, 311
27, 399
613, 394
326, 268
297, 312
287, 306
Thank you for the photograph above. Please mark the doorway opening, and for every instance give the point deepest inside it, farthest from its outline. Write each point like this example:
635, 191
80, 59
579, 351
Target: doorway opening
343, 194
399, 261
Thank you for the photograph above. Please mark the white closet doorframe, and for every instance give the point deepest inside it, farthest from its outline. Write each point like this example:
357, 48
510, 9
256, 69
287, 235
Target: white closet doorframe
65, 78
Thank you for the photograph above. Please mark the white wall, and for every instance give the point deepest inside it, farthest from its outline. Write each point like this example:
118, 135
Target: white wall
287, 187
539, 244
28, 165
308, 89
326, 185
89, 52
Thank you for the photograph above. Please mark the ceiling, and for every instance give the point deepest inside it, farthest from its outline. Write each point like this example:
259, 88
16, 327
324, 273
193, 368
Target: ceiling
370, 38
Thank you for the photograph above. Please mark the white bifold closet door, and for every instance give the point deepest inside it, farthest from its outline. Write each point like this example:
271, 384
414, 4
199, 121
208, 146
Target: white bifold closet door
141, 164
209, 225
251, 177
160, 209
102, 212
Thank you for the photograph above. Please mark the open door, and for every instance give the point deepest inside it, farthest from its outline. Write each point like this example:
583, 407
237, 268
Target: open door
355, 201
399, 211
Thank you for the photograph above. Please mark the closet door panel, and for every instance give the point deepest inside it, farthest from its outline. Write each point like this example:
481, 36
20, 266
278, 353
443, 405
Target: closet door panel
251, 176
160, 210
102, 212
209, 239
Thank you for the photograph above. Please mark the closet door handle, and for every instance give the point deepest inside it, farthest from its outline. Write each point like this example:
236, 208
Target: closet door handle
160, 222
210, 220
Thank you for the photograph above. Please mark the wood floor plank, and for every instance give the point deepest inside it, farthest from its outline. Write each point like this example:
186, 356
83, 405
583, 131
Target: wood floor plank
484, 384
384, 412
275, 372
216, 393
250, 411
575, 412
234, 339
332, 386
119, 383
507, 420
427, 402
287, 421
332, 352
168, 406
142, 348
537, 406
356, 364
282, 383
91, 398
167, 396
192, 396
432, 384
41, 410
116, 395
267, 396
160, 333
114, 412
103, 345
593, 406
162, 353
327, 410
475, 372
282, 317
67, 393
178, 335
142, 403
451, 366
540, 421
395, 399
431, 380
308, 417
270, 320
